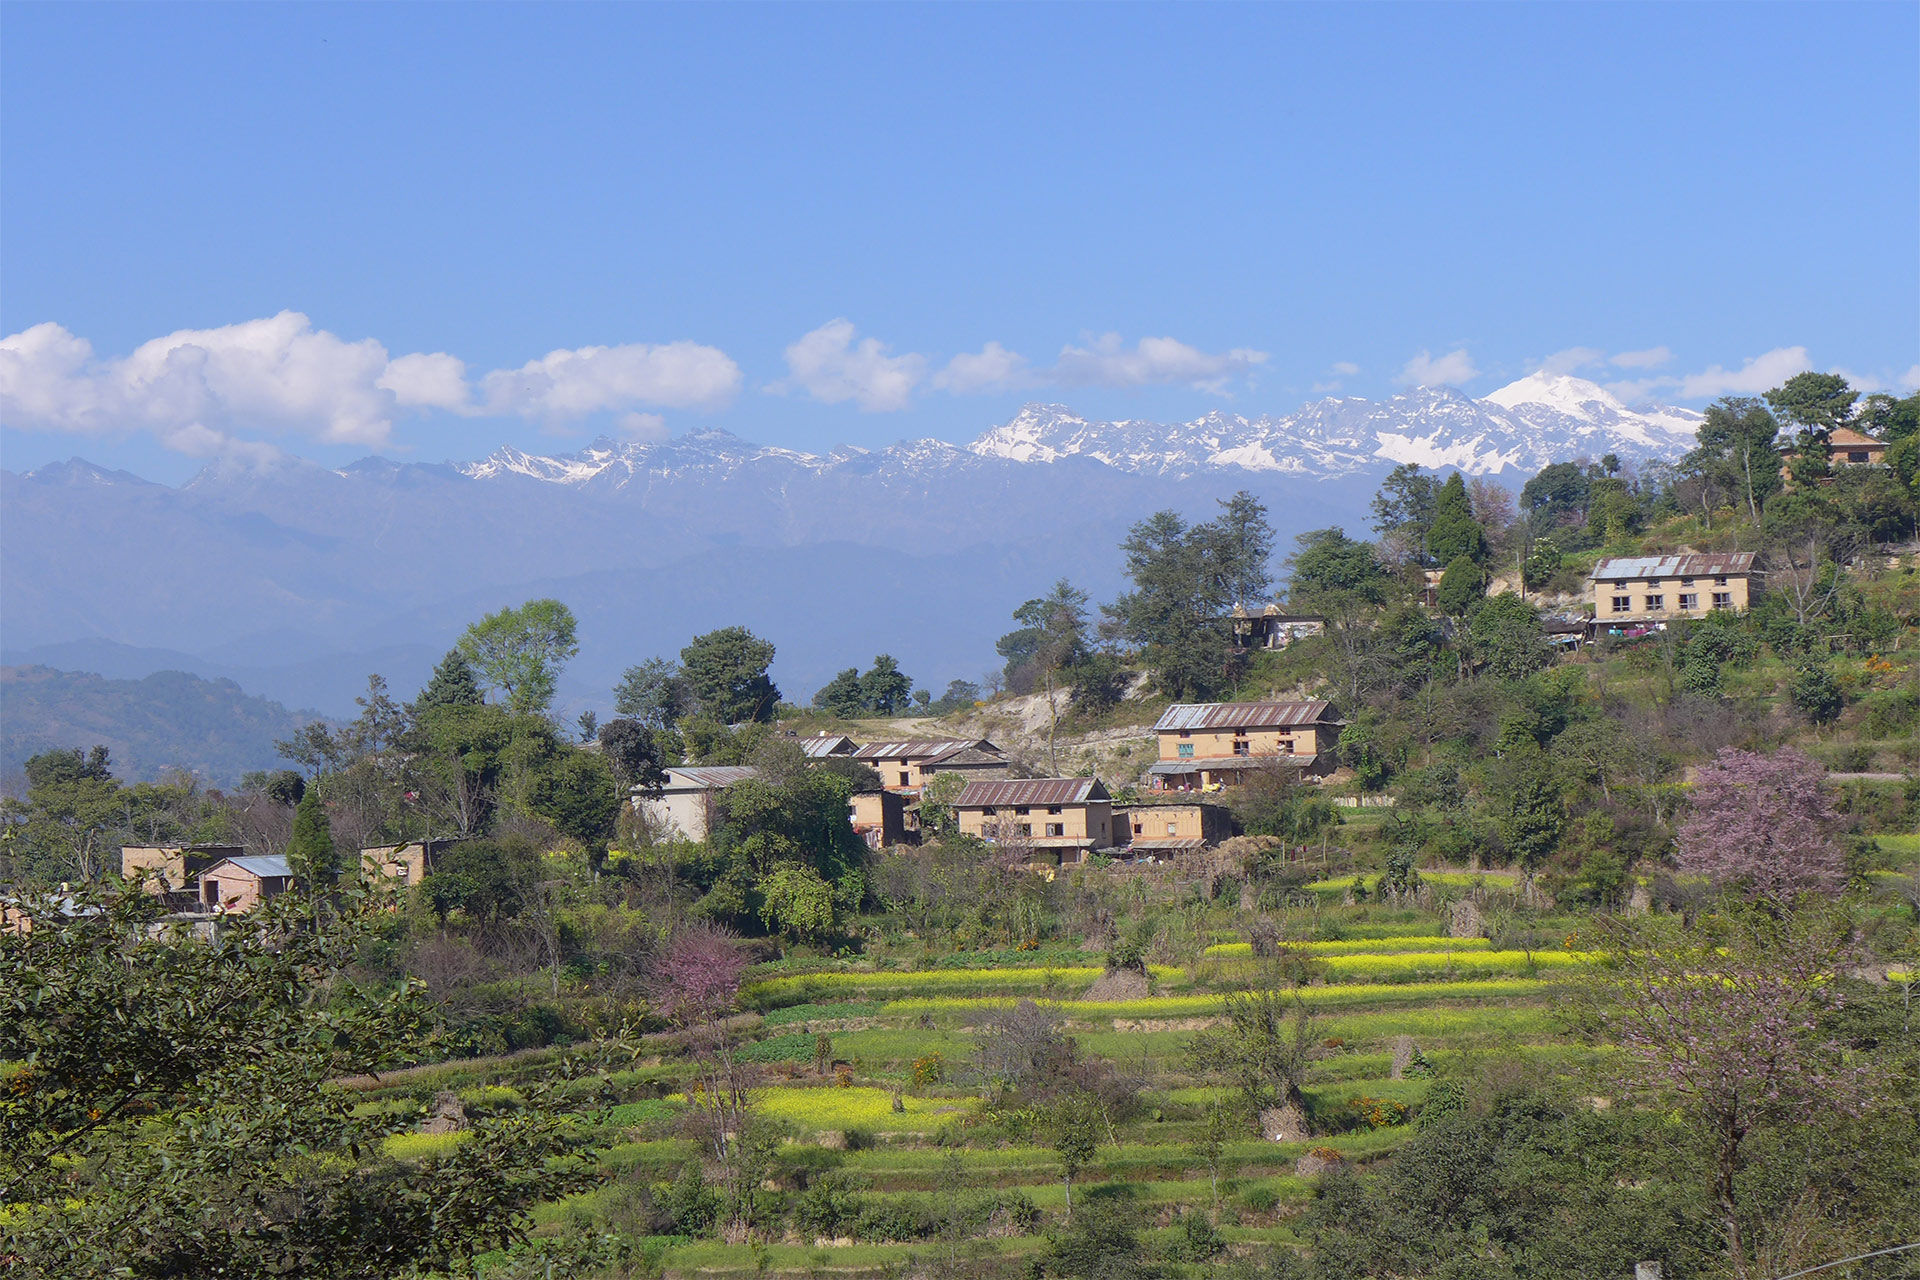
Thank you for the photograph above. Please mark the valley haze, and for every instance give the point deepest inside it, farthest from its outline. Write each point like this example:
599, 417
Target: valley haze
296, 580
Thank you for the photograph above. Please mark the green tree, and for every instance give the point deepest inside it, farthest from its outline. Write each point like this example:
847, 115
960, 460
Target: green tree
1816, 694
1051, 640
1736, 453
1504, 637
575, 791
885, 689
1558, 495
1541, 564
1075, 1132
311, 854
1329, 568
795, 901
1265, 1047
1455, 534
1814, 402
936, 802
182, 1117
1462, 586
452, 684
1524, 794
520, 652
842, 695
1404, 507
69, 827
726, 674
653, 693
633, 751
1240, 548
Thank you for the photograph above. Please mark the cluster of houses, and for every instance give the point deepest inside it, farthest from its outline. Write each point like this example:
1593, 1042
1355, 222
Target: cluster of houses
207, 880
1202, 748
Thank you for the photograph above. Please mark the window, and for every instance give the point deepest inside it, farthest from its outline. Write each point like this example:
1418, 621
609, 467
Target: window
1622, 604
1723, 599
1024, 828
1620, 586
990, 811
1139, 828
903, 777
1240, 747
1186, 751
1173, 828
1719, 582
1053, 808
1686, 582
1021, 808
1688, 600
1186, 733
1856, 456
1286, 746
1656, 602
1056, 828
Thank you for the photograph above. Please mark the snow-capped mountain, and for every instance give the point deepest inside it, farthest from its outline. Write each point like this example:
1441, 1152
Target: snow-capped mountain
1526, 425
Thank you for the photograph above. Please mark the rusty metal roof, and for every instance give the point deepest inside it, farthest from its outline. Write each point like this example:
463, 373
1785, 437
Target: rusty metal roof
1243, 715
1716, 565
1030, 791
712, 777
918, 748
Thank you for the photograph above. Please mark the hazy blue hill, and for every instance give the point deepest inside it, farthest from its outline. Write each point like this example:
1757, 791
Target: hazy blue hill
168, 720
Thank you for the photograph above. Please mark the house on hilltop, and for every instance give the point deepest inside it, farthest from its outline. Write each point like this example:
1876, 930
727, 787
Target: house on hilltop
912, 764
1271, 627
407, 863
1057, 819
238, 885
1656, 589
1208, 745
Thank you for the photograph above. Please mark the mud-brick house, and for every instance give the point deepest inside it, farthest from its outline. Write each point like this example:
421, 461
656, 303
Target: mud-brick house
170, 869
910, 765
1155, 832
879, 817
407, 863
239, 885
1207, 745
1646, 589
1056, 819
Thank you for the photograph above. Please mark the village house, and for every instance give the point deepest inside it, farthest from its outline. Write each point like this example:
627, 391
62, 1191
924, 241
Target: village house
682, 808
1155, 832
173, 871
879, 817
408, 863
1638, 590
1056, 819
1850, 448
1271, 627
238, 885
911, 765
1208, 745
824, 746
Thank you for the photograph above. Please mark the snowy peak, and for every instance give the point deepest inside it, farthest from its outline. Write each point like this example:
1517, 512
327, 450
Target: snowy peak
1563, 393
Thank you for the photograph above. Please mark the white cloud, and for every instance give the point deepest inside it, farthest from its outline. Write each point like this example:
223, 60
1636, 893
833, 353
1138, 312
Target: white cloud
1761, 373
829, 366
437, 381
648, 427
1651, 358
1428, 370
1571, 360
1107, 362
572, 384
281, 376
1345, 368
1910, 380
992, 368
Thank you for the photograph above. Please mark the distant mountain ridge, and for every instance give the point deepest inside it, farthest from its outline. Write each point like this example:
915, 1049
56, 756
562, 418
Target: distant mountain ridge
297, 579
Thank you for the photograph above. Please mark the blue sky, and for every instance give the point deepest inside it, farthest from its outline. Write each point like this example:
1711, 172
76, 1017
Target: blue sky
529, 224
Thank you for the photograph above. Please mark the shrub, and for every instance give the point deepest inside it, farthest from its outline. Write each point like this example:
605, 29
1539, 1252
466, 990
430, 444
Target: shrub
929, 1069
1377, 1113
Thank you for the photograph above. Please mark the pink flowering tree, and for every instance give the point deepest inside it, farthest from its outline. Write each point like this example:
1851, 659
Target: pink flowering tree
1725, 1028
1763, 824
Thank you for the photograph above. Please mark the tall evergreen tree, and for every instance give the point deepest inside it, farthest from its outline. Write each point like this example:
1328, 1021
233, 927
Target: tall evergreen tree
452, 684
1455, 532
310, 851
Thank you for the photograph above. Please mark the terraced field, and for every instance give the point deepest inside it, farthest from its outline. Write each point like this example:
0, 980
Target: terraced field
869, 1074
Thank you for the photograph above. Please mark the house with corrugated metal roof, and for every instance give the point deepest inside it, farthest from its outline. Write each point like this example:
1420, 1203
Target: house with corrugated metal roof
1056, 820
911, 764
1208, 745
238, 885
1636, 591
682, 808
1156, 832
825, 746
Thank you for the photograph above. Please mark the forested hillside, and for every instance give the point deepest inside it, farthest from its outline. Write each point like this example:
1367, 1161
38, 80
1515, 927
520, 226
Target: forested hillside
169, 720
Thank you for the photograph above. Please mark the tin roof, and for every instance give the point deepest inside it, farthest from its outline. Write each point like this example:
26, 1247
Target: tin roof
710, 777
1168, 845
1223, 764
919, 748
1243, 715
1030, 791
266, 866
824, 746
1717, 565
